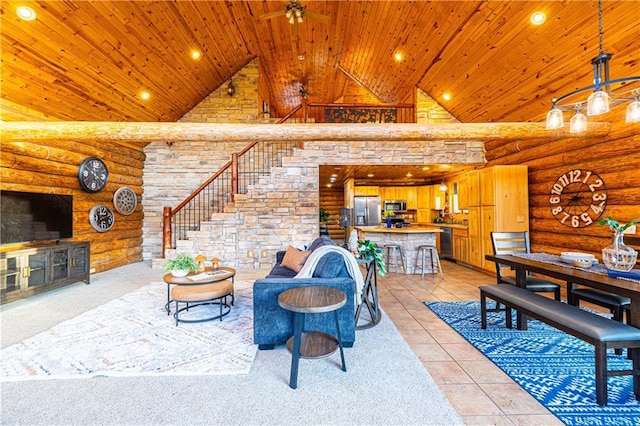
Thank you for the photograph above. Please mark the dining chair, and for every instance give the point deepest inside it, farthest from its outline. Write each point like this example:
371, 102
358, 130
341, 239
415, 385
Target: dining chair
515, 243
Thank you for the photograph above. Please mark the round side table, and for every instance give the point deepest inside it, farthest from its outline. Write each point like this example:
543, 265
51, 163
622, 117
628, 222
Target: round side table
312, 344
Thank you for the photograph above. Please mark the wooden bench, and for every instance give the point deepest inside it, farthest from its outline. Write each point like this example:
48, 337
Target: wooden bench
601, 332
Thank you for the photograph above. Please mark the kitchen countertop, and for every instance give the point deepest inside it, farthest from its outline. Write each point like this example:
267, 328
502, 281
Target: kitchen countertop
413, 229
443, 225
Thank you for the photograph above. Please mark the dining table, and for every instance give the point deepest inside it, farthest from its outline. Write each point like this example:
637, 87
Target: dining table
596, 277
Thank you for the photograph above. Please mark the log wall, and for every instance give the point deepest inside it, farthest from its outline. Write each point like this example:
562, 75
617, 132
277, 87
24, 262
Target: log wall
52, 167
615, 158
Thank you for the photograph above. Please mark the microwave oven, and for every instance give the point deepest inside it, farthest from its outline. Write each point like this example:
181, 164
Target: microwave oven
395, 205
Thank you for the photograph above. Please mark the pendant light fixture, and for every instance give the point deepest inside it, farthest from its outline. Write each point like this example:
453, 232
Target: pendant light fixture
605, 93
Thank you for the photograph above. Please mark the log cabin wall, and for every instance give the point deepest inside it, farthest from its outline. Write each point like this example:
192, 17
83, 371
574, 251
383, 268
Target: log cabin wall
615, 158
52, 167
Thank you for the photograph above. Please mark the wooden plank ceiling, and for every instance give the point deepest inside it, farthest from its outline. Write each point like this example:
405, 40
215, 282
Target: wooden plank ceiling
89, 60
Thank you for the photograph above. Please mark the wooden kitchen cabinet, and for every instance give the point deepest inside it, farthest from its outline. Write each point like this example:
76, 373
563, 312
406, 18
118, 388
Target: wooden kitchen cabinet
473, 188
502, 206
460, 240
424, 195
411, 196
366, 191
388, 193
463, 192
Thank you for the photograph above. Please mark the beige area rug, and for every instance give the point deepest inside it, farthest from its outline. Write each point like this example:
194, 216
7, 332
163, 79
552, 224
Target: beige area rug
134, 336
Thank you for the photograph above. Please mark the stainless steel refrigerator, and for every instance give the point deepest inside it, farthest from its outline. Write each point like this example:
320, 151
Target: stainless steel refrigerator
367, 211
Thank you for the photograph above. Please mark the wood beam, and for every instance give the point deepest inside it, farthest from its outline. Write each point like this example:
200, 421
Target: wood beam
146, 132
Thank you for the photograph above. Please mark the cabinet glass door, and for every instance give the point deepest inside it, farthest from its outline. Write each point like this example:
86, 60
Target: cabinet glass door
79, 258
37, 272
60, 263
9, 275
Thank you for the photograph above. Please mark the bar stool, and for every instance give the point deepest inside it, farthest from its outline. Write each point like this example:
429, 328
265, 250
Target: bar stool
394, 249
421, 254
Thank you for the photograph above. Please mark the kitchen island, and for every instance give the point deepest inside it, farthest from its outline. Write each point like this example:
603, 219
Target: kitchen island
408, 238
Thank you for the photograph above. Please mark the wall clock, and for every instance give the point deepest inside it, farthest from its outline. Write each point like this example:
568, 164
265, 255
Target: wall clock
578, 198
125, 201
93, 174
101, 218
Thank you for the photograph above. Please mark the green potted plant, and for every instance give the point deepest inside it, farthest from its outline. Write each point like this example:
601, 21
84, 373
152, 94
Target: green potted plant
370, 250
617, 255
324, 216
181, 265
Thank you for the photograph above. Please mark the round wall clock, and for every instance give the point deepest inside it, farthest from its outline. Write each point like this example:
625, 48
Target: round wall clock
93, 174
101, 218
125, 201
578, 198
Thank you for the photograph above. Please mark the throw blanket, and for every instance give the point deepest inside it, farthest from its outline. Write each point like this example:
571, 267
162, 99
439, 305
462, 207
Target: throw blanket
350, 263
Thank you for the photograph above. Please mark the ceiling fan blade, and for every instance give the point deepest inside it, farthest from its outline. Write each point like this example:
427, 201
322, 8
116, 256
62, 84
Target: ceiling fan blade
272, 14
317, 16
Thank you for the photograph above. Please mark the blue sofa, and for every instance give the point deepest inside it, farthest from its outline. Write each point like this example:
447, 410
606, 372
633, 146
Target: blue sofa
273, 325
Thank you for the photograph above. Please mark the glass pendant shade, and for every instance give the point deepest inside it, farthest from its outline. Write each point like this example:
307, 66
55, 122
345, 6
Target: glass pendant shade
633, 112
555, 119
578, 123
598, 103
443, 187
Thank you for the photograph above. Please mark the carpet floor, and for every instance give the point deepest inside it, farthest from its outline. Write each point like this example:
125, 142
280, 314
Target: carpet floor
133, 336
555, 368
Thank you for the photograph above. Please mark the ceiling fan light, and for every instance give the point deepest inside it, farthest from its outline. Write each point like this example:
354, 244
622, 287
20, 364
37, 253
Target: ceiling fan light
598, 103
578, 123
291, 19
633, 112
555, 120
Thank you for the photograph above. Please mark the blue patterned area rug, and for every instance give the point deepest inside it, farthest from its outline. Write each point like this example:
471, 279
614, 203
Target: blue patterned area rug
555, 368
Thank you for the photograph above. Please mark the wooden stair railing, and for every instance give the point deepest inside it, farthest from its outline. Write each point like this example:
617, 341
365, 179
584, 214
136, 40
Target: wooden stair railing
234, 177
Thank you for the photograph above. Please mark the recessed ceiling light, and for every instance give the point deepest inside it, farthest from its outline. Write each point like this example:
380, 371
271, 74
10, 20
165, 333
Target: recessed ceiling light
398, 56
301, 57
409, 174
145, 95
370, 175
196, 54
446, 96
538, 18
426, 168
26, 13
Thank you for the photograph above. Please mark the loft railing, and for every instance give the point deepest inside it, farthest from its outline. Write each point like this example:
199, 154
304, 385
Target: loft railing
234, 177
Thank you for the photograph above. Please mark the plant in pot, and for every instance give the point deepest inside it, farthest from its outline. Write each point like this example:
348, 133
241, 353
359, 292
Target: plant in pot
388, 214
323, 217
370, 250
617, 255
181, 265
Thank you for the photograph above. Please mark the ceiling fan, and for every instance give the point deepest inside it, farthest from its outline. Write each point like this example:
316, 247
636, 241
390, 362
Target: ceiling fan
294, 11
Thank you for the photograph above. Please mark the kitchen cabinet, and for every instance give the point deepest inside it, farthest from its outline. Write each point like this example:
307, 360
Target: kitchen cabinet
463, 193
460, 239
424, 195
473, 188
366, 191
30, 270
411, 195
475, 237
423, 215
388, 193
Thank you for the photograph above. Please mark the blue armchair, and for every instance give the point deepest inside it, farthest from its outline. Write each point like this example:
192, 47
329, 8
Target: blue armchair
273, 325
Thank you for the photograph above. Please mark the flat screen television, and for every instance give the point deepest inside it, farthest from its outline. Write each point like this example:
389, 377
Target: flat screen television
30, 216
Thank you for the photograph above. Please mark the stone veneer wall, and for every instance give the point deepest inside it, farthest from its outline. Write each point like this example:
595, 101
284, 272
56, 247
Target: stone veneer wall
428, 111
282, 208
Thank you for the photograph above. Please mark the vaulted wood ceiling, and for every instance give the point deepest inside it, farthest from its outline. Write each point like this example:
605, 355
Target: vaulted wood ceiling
89, 60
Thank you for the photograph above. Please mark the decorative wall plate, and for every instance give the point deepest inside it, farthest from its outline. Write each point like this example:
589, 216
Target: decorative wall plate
124, 200
101, 218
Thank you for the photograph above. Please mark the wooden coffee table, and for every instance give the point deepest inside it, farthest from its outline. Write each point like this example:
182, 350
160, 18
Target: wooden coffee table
312, 344
209, 287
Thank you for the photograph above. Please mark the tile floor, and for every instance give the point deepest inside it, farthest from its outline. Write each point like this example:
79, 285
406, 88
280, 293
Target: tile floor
479, 391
